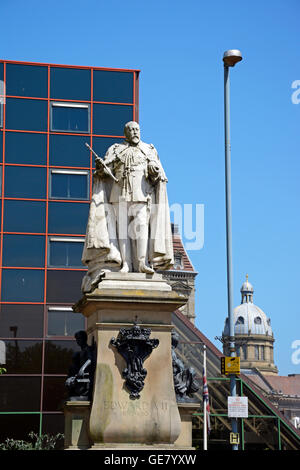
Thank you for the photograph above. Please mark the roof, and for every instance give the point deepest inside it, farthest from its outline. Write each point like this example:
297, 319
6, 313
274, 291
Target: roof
249, 319
288, 385
179, 248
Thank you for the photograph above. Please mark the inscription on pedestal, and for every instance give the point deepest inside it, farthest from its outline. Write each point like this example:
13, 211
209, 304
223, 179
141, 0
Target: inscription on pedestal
137, 408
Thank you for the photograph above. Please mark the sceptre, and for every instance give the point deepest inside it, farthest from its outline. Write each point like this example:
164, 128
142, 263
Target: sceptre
102, 163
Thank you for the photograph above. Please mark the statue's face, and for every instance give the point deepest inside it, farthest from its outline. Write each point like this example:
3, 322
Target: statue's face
132, 133
80, 339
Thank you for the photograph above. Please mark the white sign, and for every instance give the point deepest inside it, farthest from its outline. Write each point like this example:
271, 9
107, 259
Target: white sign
237, 407
2, 352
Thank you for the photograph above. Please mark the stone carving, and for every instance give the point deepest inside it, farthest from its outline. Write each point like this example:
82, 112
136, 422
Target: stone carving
134, 346
81, 372
129, 227
185, 383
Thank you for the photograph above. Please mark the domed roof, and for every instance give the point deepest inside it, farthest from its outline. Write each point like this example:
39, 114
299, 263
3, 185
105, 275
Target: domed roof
248, 318
246, 286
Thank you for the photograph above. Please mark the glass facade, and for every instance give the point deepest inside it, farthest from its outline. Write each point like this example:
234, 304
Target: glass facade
47, 114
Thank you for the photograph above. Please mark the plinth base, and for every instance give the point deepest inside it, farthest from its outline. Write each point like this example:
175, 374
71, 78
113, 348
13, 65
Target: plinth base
77, 414
117, 421
129, 447
186, 410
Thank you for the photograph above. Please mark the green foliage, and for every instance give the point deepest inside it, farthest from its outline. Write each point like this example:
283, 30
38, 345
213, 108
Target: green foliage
2, 370
36, 442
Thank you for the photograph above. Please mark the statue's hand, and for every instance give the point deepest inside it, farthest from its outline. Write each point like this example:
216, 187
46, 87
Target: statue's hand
153, 168
70, 381
100, 169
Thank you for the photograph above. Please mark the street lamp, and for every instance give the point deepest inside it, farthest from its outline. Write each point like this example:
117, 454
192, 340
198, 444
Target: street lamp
230, 58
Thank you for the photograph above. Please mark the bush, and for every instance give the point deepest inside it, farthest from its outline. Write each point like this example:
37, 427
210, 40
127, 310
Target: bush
36, 442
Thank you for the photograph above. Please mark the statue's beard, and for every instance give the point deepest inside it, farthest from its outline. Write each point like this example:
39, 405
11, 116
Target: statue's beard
135, 140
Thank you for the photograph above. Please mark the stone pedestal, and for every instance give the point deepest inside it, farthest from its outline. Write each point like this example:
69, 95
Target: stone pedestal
117, 421
186, 410
77, 414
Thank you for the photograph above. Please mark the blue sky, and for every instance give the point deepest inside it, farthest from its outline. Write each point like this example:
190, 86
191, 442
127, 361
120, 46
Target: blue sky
178, 46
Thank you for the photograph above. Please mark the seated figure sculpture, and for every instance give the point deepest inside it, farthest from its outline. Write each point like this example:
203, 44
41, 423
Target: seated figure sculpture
184, 378
129, 227
80, 377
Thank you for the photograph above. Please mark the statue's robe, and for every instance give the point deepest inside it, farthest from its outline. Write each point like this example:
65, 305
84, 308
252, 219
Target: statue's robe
101, 249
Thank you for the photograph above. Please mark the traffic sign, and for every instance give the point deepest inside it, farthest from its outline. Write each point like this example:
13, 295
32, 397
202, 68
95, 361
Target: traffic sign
230, 365
234, 438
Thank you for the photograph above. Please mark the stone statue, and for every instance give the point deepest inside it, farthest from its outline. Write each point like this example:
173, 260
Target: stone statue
185, 383
80, 377
129, 227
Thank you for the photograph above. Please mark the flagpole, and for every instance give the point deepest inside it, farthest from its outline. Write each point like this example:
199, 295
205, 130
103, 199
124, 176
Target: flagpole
204, 404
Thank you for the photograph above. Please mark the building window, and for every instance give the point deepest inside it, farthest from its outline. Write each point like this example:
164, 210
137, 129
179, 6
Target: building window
256, 352
26, 114
64, 286
24, 356
262, 352
69, 150
24, 216
62, 321
68, 217
25, 182
21, 321
23, 250
114, 87
69, 184
27, 80
12, 393
70, 117
178, 261
23, 285
65, 252
27, 148
245, 351
70, 83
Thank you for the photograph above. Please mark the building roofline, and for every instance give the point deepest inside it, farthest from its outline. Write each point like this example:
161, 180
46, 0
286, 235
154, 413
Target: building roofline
88, 67
184, 271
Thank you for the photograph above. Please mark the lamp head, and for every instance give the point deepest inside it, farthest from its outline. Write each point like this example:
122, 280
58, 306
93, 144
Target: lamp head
231, 57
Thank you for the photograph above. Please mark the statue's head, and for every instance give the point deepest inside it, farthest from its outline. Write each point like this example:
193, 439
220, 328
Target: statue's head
132, 132
81, 338
174, 338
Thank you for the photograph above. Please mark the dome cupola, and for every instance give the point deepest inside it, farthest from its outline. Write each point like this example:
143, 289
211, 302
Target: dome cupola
253, 332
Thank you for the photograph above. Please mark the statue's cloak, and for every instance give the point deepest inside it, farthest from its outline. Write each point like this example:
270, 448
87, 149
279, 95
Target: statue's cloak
101, 247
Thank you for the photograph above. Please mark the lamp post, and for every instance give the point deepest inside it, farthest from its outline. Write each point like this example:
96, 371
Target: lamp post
230, 58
